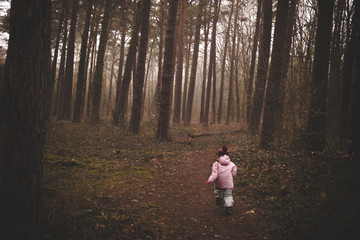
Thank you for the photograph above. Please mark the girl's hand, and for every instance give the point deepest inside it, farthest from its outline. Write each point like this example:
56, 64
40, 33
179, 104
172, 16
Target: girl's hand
207, 182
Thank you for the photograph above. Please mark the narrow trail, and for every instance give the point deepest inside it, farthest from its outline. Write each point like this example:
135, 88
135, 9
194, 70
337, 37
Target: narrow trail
187, 204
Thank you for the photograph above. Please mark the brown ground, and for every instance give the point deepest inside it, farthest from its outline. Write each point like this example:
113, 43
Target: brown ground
104, 183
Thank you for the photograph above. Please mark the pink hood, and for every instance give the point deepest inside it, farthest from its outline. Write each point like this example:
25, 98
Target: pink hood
223, 172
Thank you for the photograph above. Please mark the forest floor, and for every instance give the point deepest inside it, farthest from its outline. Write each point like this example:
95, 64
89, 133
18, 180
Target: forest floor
105, 183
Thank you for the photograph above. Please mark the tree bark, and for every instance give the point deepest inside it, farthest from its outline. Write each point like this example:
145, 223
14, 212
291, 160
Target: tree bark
121, 62
190, 96
180, 63
223, 64
81, 82
203, 85
22, 119
232, 59
347, 78
212, 67
61, 72
187, 67
167, 76
317, 113
253, 60
54, 61
274, 97
263, 64
66, 90
98, 77
160, 60
121, 105
140, 73
355, 103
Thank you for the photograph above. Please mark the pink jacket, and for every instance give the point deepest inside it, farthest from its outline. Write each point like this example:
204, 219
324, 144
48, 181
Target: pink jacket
223, 172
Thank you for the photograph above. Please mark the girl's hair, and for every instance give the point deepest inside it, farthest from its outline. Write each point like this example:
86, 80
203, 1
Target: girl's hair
223, 151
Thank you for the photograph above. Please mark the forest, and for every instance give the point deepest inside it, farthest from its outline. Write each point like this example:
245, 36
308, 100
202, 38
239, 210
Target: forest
112, 113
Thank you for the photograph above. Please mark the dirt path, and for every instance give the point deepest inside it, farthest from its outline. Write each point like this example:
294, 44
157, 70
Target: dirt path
187, 204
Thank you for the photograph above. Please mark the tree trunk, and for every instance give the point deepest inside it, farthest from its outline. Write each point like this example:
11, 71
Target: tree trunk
98, 77
347, 78
253, 60
317, 113
61, 73
334, 97
263, 64
22, 119
212, 67
203, 85
109, 102
232, 59
274, 96
190, 98
121, 105
121, 61
355, 103
66, 90
223, 64
140, 73
81, 82
237, 88
160, 60
167, 76
187, 67
180, 63
54, 61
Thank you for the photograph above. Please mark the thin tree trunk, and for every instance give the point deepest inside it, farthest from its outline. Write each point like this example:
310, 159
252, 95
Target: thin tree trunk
187, 67
347, 78
22, 119
334, 96
180, 63
232, 59
203, 85
92, 62
65, 112
121, 62
140, 73
263, 64
167, 77
253, 60
60, 78
81, 82
317, 113
223, 64
355, 103
98, 77
212, 66
54, 61
160, 62
190, 95
121, 106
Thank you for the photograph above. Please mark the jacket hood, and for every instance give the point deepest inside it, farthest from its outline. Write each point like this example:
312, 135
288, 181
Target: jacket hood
224, 160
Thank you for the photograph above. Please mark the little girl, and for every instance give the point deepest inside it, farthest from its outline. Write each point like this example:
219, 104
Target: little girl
223, 172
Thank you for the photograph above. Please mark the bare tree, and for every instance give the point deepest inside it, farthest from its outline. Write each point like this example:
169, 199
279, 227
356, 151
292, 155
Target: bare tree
81, 82
274, 98
167, 76
98, 77
317, 113
66, 90
253, 60
190, 96
140, 73
263, 64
